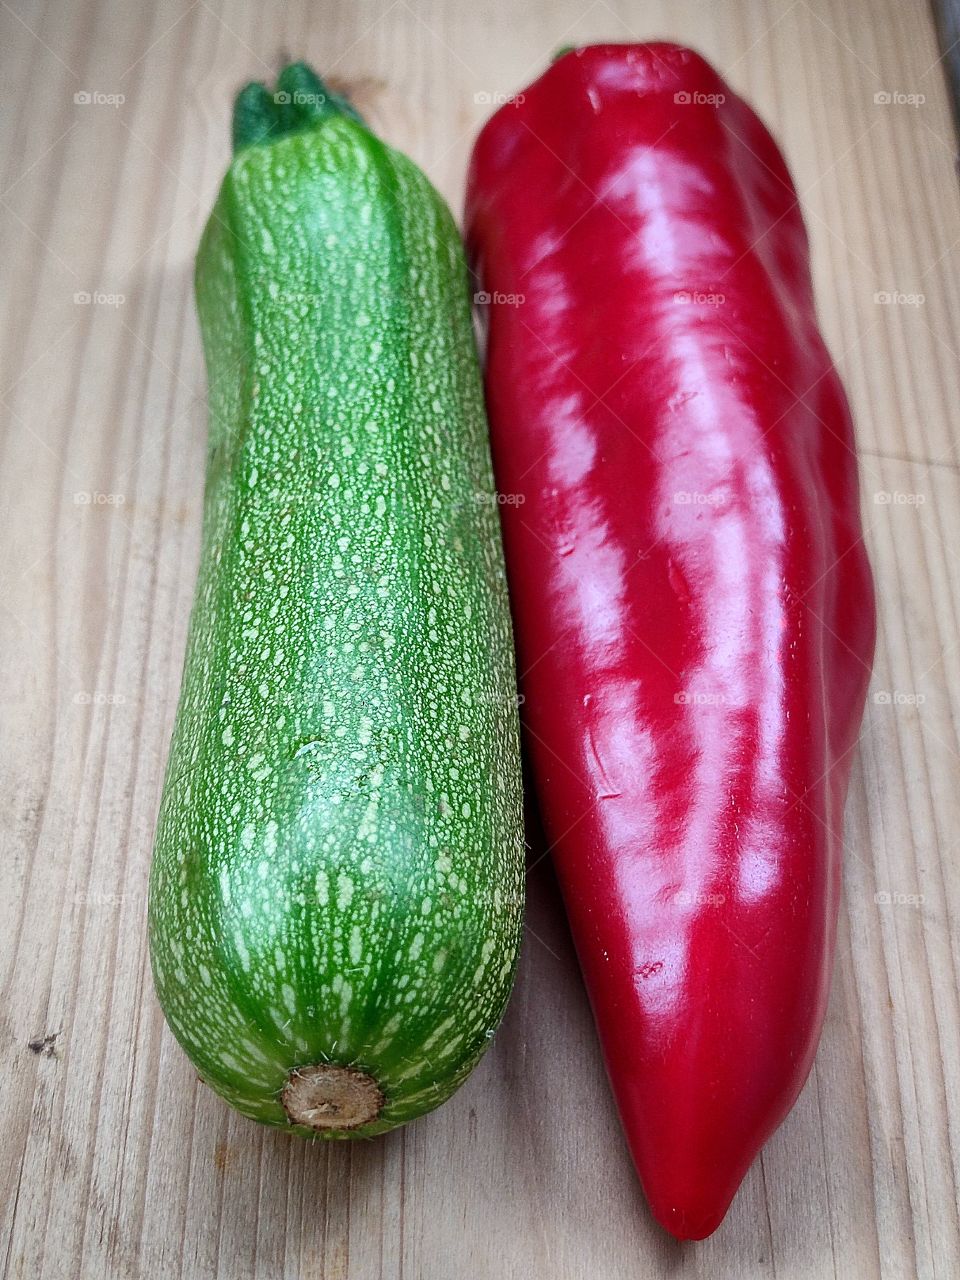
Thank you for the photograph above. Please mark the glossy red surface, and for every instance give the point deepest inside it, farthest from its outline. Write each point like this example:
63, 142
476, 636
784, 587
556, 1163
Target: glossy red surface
692, 601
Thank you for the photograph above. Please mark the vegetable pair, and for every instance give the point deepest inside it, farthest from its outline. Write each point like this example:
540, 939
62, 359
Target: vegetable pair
335, 901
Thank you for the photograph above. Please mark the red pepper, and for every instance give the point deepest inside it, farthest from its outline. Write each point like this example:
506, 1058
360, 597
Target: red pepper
693, 603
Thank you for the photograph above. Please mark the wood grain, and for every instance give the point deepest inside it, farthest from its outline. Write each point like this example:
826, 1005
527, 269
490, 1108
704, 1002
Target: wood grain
114, 1161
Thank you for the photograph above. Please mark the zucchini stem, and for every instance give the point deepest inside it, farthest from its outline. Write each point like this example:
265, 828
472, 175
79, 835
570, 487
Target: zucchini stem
300, 101
329, 1098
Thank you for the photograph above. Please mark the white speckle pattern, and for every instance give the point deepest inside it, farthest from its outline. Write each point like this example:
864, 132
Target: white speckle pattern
342, 808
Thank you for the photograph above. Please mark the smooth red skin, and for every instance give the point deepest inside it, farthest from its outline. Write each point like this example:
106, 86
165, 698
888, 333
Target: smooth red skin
697, 845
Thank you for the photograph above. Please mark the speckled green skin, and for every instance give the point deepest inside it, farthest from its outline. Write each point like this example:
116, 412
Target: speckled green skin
338, 868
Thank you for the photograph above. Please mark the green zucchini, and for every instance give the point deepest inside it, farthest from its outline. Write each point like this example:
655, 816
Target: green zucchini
336, 893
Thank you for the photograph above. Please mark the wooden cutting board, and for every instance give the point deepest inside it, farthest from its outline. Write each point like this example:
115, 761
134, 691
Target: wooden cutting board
114, 1161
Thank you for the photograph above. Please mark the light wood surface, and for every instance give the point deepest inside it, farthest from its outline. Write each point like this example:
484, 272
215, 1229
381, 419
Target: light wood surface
114, 1161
